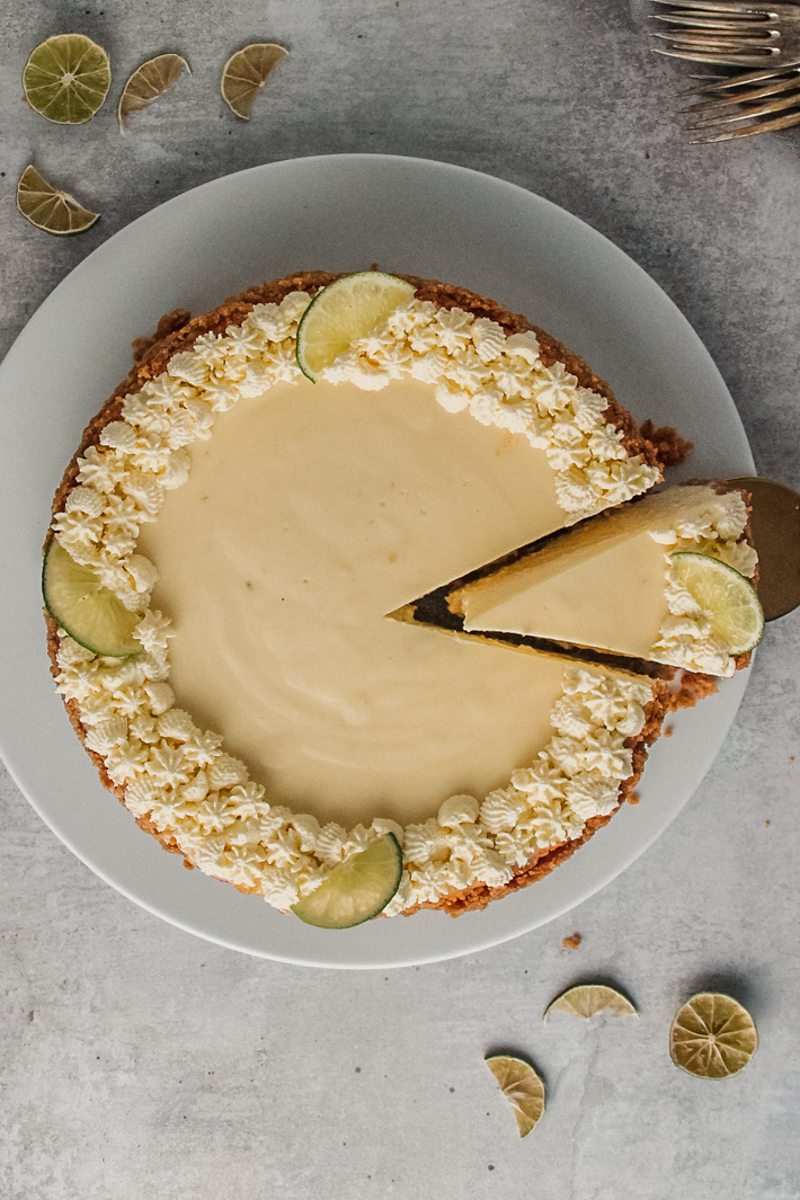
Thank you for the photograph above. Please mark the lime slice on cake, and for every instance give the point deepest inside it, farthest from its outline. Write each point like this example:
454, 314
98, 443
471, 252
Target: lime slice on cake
712, 1036
356, 889
245, 74
344, 311
49, 208
66, 79
728, 599
589, 998
522, 1088
147, 83
90, 613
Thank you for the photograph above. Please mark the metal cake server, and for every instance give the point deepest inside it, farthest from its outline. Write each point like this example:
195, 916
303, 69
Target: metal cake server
776, 533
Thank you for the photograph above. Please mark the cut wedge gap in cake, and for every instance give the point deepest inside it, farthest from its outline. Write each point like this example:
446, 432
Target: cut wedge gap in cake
664, 582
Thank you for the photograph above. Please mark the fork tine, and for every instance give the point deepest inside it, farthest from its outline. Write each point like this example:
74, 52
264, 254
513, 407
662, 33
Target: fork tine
770, 106
697, 39
733, 8
755, 93
727, 7
727, 58
785, 122
735, 25
721, 84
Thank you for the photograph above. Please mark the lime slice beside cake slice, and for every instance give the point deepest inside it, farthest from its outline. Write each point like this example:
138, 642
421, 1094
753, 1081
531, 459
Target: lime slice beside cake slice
728, 599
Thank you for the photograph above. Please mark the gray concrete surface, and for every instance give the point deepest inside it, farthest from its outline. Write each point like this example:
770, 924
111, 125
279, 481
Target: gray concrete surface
136, 1061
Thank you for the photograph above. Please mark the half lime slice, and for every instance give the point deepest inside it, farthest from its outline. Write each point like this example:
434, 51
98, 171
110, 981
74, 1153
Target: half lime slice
344, 311
245, 74
149, 81
89, 612
50, 208
586, 999
522, 1088
728, 599
356, 889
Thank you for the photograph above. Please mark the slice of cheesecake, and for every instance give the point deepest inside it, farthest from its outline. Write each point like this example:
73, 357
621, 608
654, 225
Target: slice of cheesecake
664, 580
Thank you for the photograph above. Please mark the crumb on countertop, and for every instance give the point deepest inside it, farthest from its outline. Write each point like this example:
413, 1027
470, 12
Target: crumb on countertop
634, 798
572, 942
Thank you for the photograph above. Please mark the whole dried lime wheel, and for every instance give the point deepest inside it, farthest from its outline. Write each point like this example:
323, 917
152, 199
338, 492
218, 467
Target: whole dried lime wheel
67, 78
712, 1036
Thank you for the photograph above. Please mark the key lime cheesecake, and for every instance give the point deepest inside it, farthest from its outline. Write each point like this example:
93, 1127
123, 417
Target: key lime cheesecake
270, 483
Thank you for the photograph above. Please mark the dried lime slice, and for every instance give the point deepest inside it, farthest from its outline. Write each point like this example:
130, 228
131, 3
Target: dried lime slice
356, 889
147, 83
589, 998
245, 73
49, 208
347, 309
90, 613
67, 78
726, 597
522, 1088
712, 1036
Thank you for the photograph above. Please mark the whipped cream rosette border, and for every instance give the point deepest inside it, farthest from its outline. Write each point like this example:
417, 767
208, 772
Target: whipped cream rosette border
178, 777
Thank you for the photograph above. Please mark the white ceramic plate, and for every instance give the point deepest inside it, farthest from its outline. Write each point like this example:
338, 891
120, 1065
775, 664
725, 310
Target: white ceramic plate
338, 213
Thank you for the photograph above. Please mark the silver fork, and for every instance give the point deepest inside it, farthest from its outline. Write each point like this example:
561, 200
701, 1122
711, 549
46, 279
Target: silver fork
729, 32
768, 100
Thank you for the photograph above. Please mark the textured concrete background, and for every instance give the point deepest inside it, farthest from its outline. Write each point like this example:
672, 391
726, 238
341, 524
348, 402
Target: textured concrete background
136, 1061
